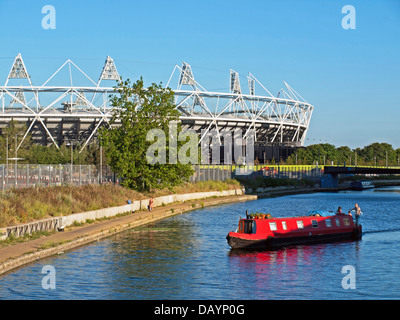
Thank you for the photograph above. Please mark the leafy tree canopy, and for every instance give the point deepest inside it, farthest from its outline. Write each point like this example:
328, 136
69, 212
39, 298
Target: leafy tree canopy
138, 111
373, 154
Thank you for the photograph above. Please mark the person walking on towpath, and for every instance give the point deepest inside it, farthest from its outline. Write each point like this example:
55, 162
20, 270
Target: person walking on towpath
150, 207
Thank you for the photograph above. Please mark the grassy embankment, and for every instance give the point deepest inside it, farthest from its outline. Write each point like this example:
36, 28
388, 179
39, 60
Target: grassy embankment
30, 204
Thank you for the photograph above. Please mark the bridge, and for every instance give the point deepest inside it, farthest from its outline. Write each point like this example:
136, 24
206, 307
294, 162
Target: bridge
331, 173
361, 170
60, 111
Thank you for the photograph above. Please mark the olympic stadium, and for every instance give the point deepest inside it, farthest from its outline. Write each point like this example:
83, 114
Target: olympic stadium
70, 114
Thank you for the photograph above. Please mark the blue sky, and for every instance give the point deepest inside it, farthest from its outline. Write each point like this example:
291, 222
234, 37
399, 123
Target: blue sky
352, 77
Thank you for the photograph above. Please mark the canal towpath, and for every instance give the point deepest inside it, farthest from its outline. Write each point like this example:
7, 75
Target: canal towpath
19, 254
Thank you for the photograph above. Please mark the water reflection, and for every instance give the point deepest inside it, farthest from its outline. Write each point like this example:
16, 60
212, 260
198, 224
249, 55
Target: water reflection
152, 259
299, 272
292, 255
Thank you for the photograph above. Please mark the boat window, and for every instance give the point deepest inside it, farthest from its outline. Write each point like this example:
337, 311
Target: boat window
241, 226
314, 223
272, 226
328, 222
346, 221
337, 222
249, 226
284, 227
300, 224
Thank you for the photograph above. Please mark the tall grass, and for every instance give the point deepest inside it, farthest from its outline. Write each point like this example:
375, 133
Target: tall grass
29, 204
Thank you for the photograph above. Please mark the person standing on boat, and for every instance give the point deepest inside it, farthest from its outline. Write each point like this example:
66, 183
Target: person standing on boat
339, 211
358, 212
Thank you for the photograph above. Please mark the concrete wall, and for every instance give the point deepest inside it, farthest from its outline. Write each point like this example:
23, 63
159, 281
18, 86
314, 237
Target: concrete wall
330, 181
28, 228
142, 204
61, 222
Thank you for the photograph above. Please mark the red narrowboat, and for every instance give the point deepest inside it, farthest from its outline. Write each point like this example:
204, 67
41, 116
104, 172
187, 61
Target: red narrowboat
265, 232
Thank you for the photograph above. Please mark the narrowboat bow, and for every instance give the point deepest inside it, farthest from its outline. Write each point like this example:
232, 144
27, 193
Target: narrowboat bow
263, 231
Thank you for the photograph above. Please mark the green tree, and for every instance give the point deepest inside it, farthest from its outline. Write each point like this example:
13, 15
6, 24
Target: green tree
344, 154
13, 134
138, 110
377, 152
302, 155
397, 156
318, 152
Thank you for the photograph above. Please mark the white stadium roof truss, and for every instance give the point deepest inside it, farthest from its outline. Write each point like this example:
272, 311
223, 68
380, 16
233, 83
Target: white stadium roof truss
249, 111
276, 120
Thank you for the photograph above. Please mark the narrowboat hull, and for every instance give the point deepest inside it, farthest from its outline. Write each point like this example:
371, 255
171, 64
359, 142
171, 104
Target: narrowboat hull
266, 232
271, 243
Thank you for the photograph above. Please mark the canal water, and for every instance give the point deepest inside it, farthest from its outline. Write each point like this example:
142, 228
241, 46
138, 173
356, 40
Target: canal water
187, 257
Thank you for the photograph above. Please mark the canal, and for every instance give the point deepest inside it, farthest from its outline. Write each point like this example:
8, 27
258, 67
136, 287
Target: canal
187, 257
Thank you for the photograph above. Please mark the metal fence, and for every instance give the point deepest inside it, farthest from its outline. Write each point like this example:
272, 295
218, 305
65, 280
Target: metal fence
206, 173
44, 175
224, 172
